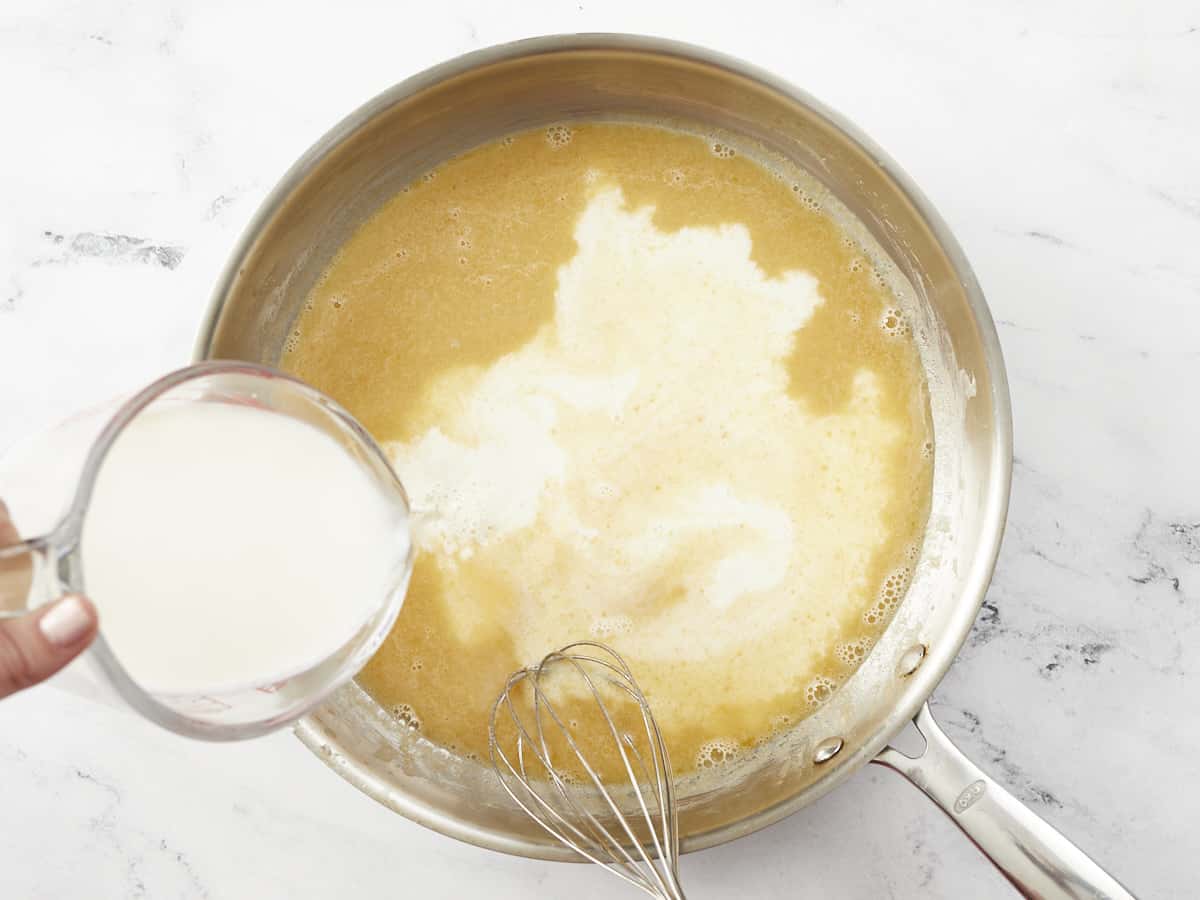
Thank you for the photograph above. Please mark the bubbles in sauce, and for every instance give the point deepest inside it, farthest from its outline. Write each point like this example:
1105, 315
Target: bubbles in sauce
647, 391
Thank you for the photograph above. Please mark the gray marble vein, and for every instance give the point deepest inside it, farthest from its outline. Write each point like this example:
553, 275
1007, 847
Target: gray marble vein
110, 247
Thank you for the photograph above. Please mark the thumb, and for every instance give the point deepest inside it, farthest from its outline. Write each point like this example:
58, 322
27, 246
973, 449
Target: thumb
34, 647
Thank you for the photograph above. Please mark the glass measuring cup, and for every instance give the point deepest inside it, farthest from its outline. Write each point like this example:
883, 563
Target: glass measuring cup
55, 564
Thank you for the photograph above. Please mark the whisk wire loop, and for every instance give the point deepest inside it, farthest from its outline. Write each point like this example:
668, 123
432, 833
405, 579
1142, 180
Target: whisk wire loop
637, 841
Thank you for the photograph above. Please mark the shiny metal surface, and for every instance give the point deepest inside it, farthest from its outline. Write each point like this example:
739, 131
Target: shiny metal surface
1036, 859
481, 96
627, 824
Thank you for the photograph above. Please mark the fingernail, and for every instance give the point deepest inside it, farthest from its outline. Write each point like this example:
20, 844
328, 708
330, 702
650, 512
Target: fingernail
66, 622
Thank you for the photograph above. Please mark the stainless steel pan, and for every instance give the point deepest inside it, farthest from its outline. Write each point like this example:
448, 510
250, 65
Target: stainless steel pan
363, 161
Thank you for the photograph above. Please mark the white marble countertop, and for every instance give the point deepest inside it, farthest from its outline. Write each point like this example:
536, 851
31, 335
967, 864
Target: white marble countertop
1061, 141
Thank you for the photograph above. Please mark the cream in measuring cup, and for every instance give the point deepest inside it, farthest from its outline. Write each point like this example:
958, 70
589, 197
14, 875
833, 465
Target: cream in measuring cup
245, 542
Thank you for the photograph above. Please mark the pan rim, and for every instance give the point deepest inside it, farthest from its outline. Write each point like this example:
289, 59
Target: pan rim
994, 494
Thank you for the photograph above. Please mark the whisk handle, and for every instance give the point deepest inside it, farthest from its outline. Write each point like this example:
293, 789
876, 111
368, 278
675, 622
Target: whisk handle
1039, 861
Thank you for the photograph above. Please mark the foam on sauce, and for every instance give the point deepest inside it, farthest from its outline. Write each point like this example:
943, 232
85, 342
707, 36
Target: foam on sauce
640, 388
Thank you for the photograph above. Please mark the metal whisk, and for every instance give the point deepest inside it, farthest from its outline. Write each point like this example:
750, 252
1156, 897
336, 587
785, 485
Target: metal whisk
629, 826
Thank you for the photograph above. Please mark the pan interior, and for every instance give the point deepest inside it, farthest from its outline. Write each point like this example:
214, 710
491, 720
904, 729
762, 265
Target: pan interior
481, 98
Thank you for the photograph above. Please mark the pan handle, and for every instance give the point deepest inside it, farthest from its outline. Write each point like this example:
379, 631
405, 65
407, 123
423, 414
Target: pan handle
1039, 861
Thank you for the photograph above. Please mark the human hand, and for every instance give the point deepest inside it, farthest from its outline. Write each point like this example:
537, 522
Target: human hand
36, 645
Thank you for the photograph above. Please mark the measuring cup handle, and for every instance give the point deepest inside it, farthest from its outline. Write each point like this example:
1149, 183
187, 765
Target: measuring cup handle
39, 477
1033, 856
28, 576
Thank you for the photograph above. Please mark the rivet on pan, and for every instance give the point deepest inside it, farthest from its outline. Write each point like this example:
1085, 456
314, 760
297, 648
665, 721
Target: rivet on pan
911, 660
827, 750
